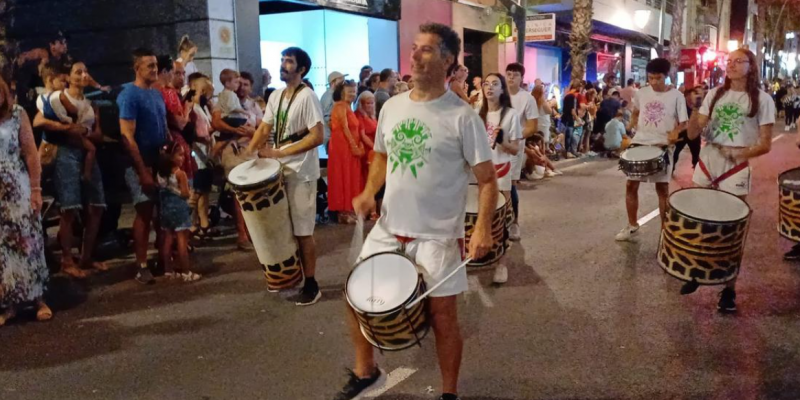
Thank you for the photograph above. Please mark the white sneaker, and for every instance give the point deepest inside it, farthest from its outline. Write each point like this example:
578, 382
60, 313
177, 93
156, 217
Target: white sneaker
786, 129
549, 174
557, 172
627, 234
500, 274
535, 176
513, 232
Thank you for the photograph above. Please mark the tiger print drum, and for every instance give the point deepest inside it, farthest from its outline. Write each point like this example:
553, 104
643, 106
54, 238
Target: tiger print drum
379, 290
500, 225
704, 235
789, 204
642, 161
260, 191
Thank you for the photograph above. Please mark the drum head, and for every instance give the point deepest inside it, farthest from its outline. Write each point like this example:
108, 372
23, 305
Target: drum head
709, 205
642, 153
254, 171
472, 199
381, 283
790, 179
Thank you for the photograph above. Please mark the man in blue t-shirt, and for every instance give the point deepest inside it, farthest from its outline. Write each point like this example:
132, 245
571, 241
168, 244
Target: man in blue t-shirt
143, 122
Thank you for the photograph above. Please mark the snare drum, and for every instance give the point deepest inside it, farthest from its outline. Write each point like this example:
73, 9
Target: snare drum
789, 204
500, 226
642, 161
259, 188
379, 290
704, 235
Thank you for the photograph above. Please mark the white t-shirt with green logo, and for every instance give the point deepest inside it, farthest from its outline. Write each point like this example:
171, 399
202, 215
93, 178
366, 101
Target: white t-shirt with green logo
430, 149
730, 125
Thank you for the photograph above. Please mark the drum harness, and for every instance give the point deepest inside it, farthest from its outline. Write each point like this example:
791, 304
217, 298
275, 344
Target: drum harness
731, 172
280, 128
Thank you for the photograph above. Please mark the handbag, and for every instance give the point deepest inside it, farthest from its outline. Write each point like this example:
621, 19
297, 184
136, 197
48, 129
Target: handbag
47, 153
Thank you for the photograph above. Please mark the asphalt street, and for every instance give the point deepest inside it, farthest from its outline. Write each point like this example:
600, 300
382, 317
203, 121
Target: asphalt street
582, 317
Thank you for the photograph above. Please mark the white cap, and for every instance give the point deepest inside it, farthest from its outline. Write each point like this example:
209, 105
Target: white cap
335, 75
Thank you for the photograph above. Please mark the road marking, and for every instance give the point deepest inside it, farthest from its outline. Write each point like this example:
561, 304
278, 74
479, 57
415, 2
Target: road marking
647, 217
775, 139
392, 380
475, 286
576, 166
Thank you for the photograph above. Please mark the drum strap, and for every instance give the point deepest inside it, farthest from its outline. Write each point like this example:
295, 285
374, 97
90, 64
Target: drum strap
283, 121
731, 172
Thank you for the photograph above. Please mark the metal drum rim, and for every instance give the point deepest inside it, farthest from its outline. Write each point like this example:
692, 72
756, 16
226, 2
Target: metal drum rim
259, 185
419, 290
745, 218
780, 185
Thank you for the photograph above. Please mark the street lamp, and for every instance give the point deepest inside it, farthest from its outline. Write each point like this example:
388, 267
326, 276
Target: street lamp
733, 45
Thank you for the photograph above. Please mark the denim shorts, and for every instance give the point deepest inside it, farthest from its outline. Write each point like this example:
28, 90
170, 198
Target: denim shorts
71, 190
132, 181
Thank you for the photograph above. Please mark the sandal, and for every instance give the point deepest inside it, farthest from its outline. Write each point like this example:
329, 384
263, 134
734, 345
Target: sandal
7, 316
190, 277
44, 313
99, 266
72, 270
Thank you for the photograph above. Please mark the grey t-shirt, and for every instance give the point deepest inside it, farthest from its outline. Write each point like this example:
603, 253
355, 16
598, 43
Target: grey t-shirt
381, 96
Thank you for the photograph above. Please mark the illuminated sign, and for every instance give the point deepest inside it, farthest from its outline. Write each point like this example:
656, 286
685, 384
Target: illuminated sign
540, 28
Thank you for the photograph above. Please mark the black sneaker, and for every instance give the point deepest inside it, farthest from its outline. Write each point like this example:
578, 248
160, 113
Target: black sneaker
145, 277
793, 254
448, 396
307, 296
356, 387
690, 287
727, 300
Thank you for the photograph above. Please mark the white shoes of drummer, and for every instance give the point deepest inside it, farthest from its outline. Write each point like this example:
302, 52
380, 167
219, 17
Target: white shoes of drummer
500, 274
627, 234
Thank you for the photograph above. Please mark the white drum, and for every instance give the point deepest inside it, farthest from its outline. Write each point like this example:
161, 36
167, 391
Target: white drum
260, 191
378, 290
500, 224
642, 161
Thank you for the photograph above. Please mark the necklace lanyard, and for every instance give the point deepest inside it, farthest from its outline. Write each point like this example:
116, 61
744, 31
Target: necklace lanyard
282, 122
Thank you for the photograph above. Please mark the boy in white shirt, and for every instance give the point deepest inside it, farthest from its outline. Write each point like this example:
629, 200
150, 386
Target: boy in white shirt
660, 115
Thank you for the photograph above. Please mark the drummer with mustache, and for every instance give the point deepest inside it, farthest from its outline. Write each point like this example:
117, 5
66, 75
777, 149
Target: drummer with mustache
659, 116
427, 145
295, 114
740, 117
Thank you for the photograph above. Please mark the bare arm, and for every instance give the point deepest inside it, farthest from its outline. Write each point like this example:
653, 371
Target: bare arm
260, 137
30, 154
364, 203
178, 122
128, 129
311, 141
634, 119
697, 123
530, 128
763, 146
183, 184
547, 109
511, 147
481, 240
674, 135
74, 132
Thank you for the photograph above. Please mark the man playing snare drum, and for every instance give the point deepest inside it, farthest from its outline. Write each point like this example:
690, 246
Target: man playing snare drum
659, 115
427, 142
296, 116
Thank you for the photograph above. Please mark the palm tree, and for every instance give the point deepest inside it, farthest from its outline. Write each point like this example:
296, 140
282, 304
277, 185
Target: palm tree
579, 38
675, 38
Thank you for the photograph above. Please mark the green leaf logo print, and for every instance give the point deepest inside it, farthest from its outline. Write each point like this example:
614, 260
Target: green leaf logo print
407, 146
728, 120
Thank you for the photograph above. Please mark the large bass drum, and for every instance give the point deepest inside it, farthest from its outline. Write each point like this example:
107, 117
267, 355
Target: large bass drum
789, 204
379, 289
704, 235
500, 225
260, 191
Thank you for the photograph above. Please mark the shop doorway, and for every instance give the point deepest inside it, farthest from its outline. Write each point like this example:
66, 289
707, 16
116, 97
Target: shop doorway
474, 44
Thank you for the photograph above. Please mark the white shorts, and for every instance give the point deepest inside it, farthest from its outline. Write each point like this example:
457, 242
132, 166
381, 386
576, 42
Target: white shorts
660, 177
302, 206
517, 162
738, 184
435, 258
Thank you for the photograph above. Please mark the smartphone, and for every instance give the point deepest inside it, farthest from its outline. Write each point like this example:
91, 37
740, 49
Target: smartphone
499, 138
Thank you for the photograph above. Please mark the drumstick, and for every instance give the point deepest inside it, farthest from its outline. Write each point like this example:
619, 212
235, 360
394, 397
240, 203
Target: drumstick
450, 275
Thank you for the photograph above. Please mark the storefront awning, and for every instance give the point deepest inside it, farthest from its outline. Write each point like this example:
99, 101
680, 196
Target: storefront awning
611, 32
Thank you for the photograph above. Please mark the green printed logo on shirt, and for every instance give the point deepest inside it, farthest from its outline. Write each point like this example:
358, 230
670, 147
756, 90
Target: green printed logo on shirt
728, 120
407, 146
